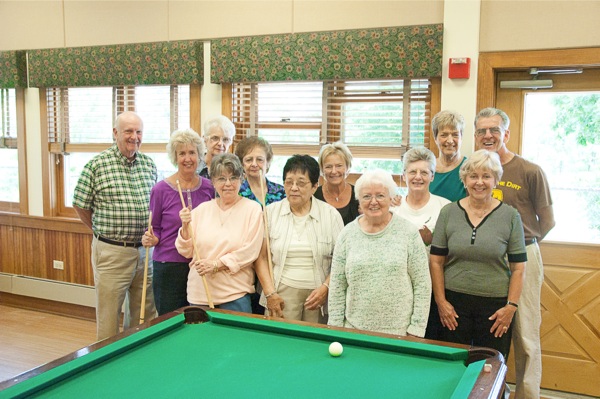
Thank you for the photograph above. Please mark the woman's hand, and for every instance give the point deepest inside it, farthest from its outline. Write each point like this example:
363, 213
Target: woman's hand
275, 305
502, 320
149, 239
317, 298
396, 200
206, 266
426, 235
448, 315
185, 215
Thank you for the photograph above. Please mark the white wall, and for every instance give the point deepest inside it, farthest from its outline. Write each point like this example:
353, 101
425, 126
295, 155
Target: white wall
461, 39
508, 25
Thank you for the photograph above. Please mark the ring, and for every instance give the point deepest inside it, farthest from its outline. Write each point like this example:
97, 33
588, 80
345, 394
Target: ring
506, 328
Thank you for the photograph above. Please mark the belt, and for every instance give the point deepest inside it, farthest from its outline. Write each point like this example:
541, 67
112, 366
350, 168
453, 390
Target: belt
531, 241
119, 243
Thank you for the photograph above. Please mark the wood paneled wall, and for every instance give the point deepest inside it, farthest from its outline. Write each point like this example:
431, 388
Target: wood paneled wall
28, 246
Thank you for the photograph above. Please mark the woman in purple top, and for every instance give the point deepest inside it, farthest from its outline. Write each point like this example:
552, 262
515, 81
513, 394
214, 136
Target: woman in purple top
170, 268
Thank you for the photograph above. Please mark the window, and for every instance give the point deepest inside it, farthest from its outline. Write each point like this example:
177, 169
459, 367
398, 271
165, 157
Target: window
9, 161
378, 120
80, 122
561, 134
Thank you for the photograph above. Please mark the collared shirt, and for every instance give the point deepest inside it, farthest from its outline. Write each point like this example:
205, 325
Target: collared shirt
117, 192
322, 227
275, 192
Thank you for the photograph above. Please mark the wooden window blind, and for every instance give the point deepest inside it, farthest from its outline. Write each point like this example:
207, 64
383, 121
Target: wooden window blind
376, 119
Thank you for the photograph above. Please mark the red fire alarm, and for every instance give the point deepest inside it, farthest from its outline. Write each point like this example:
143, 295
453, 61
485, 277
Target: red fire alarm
459, 68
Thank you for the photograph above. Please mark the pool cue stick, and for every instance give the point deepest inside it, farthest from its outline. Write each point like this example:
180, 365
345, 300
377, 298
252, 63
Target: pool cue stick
143, 309
266, 223
196, 253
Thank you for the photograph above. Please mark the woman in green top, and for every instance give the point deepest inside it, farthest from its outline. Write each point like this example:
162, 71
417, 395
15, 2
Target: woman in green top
448, 129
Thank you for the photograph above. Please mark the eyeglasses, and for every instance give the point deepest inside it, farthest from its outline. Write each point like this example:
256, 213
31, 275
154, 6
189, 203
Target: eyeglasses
494, 131
299, 183
216, 139
378, 197
223, 180
415, 172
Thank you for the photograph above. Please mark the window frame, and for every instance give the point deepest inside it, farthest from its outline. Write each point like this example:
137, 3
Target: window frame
22, 206
53, 169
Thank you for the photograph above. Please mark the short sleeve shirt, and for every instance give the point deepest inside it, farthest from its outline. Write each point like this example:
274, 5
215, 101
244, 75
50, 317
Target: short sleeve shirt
117, 192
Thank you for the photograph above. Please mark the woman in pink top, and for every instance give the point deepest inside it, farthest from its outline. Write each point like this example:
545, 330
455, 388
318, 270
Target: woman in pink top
229, 233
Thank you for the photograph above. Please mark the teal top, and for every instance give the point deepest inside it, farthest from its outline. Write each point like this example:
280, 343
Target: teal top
448, 184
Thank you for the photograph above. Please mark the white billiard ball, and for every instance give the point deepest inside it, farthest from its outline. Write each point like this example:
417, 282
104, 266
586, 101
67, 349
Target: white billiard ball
335, 349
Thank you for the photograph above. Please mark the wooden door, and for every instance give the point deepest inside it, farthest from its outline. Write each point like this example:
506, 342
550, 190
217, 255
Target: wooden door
570, 300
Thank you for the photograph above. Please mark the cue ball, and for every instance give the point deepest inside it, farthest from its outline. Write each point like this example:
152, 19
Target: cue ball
335, 349
487, 368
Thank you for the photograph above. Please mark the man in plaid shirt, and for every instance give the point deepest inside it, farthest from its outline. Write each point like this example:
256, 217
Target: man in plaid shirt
111, 198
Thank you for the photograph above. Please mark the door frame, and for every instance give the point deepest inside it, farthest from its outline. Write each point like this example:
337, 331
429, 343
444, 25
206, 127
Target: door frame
572, 271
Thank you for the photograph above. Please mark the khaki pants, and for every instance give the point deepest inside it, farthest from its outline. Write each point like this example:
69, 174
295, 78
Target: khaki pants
526, 329
294, 309
118, 278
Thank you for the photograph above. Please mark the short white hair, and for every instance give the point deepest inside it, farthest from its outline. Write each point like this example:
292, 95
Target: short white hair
375, 176
220, 122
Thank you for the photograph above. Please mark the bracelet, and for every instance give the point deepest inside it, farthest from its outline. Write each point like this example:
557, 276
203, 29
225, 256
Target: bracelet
326, 285
516, 305
215, 267
271, 294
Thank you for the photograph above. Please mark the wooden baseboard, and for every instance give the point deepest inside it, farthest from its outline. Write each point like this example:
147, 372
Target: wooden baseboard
48, 306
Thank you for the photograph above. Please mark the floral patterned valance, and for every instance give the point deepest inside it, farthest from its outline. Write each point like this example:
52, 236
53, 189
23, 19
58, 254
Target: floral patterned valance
13, 69
179, 62
382, 53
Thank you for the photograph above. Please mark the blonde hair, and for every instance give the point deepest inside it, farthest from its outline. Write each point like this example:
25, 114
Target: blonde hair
183, 137
481, 160
337, 148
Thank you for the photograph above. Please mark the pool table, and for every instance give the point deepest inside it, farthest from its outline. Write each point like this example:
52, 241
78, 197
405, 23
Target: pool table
195, 352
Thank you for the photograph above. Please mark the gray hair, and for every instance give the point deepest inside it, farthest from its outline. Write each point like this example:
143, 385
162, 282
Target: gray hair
419, 154
221, 122
337, 148
490, 113
184, 137
447, 119
482, 160
225, 162
375, 176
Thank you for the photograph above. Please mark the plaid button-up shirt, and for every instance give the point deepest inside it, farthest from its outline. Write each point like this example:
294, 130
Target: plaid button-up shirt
117, 192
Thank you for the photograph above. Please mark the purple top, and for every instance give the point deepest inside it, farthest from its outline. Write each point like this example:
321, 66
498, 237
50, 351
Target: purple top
165, 205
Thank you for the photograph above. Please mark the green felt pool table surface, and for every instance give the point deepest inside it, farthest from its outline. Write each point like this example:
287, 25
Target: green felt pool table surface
231, 355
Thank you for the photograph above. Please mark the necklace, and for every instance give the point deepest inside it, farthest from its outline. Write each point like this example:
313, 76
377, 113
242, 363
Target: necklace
480, 213
337, 199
